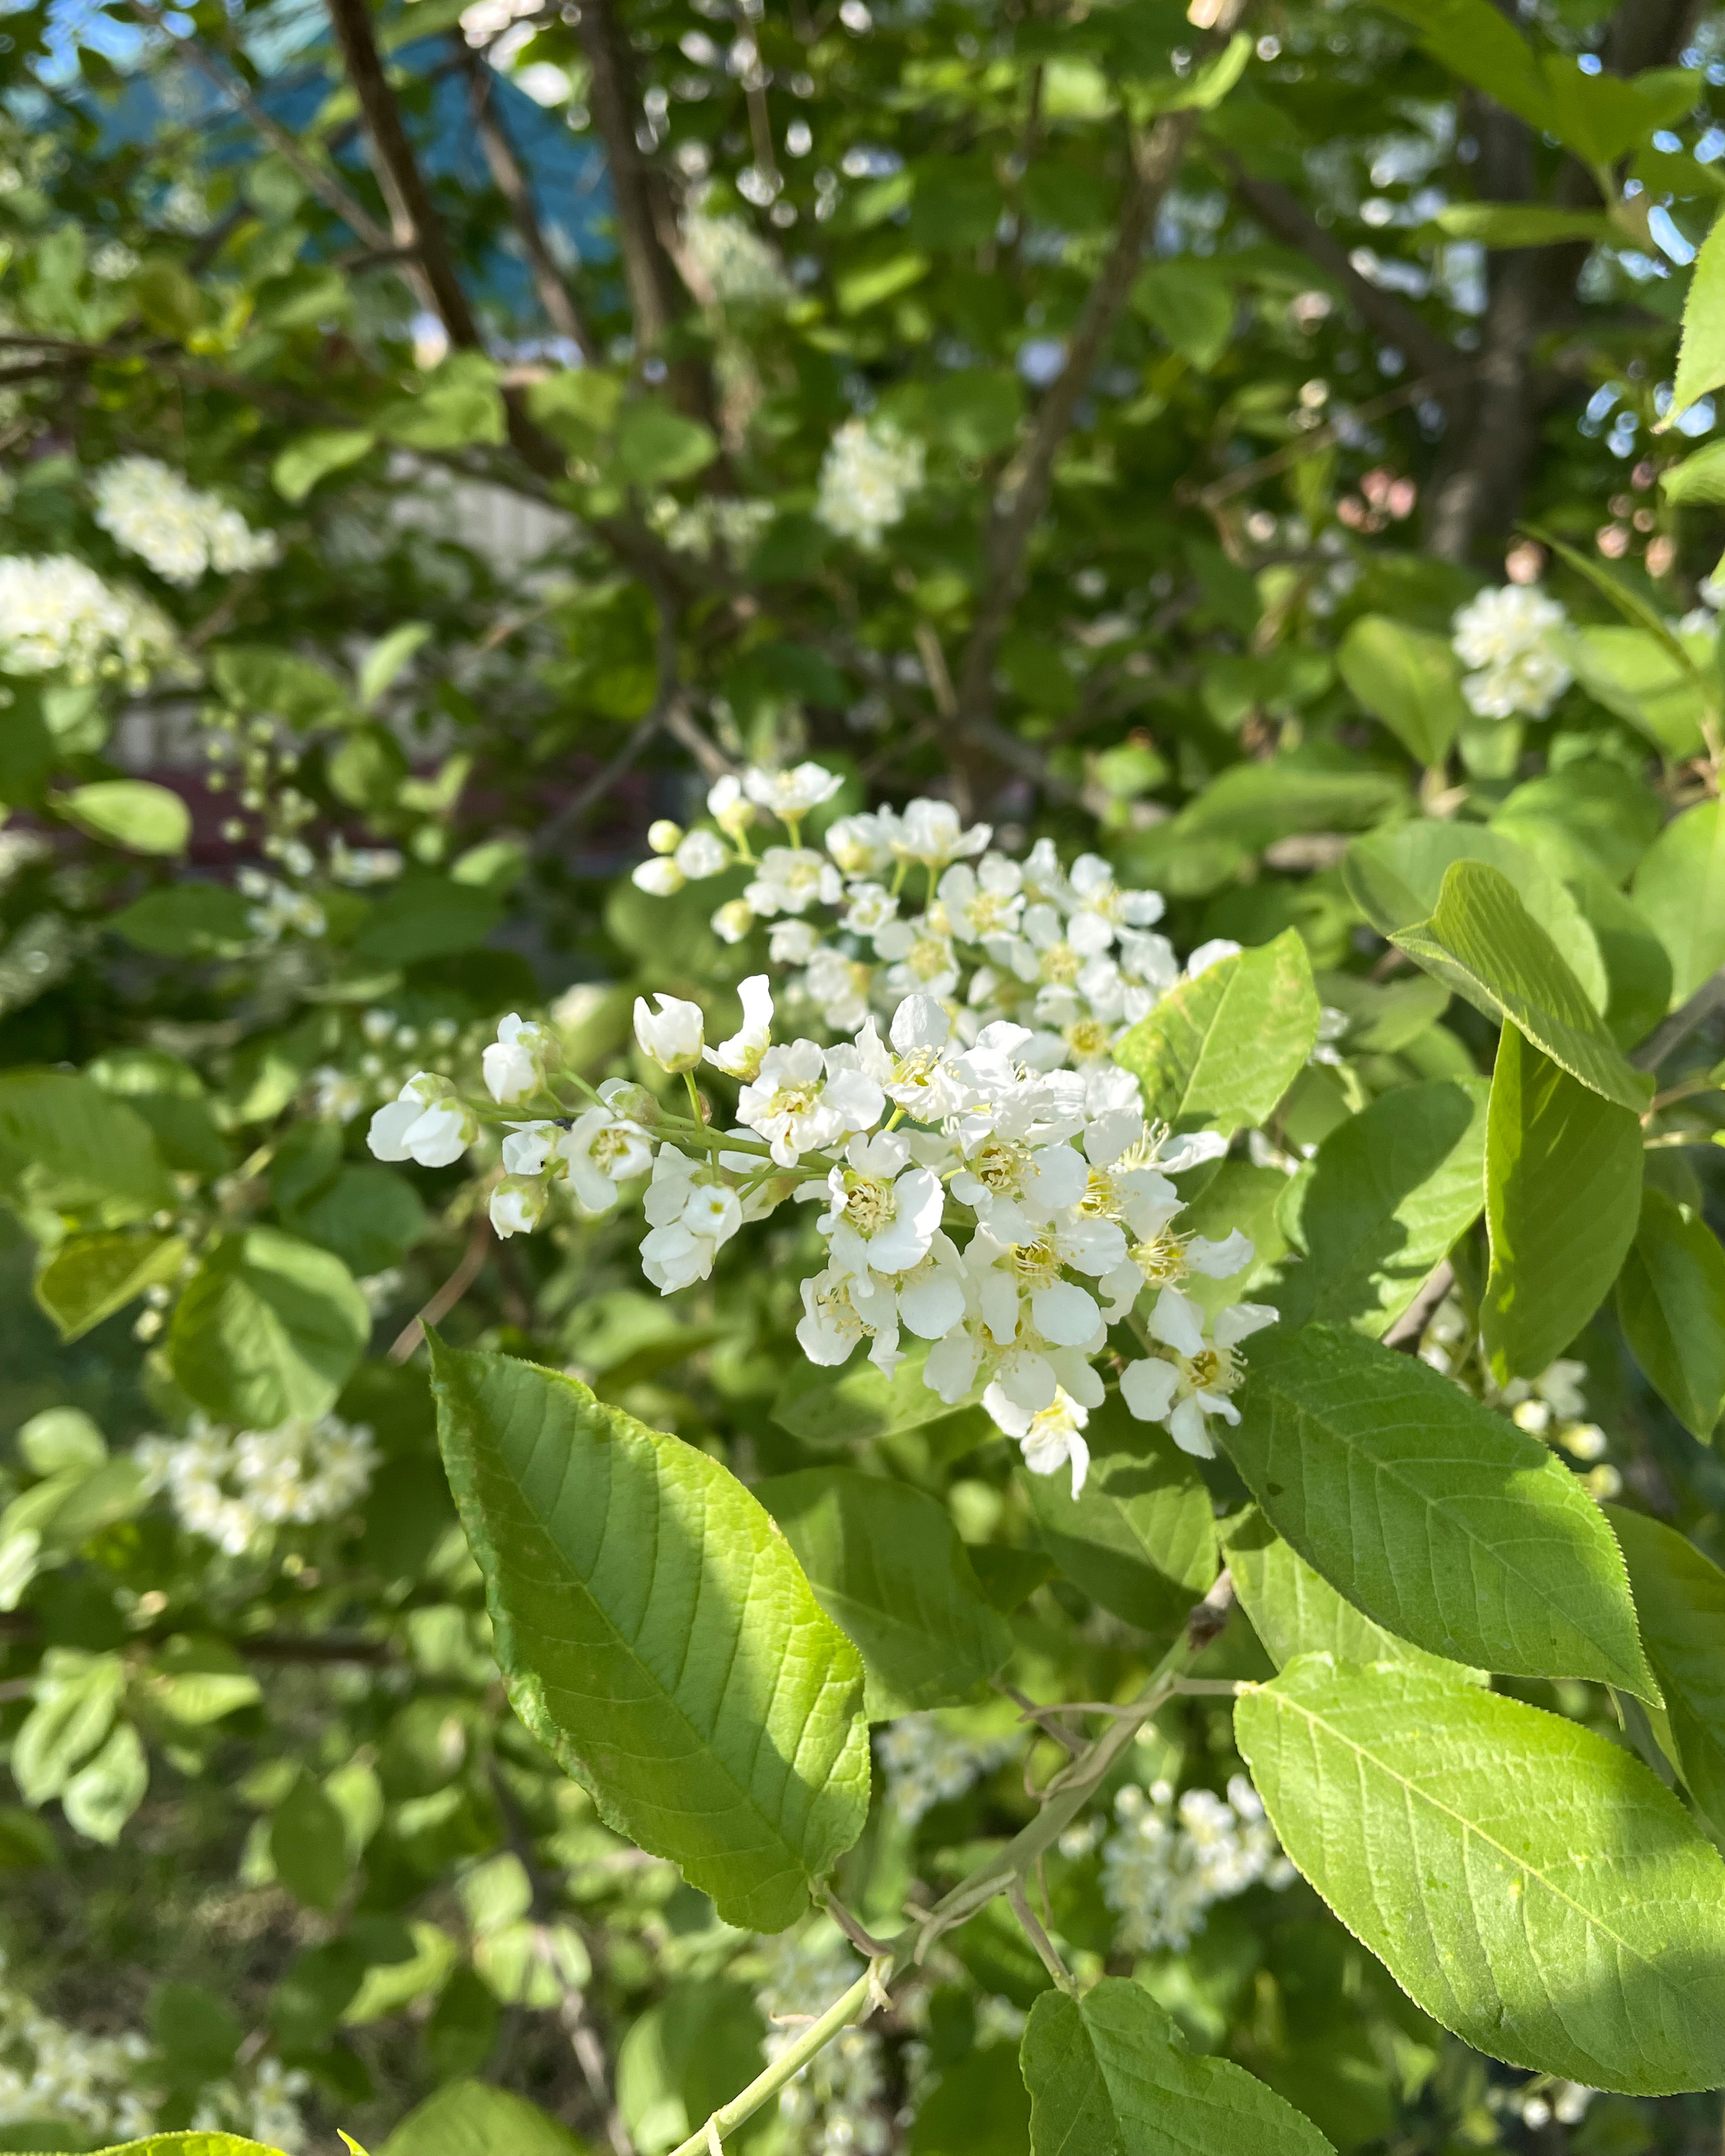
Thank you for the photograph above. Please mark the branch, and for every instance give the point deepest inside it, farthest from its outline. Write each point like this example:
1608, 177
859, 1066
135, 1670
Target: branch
319, 178
467, 1271
512, 184
413, 216
1156, 159
1391, 318
646, 221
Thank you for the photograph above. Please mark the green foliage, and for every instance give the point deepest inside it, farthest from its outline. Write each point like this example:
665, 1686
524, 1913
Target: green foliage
1111, 2072
268, 1327
1219, 1052
619, 1675
1492, 1799
1437, 1518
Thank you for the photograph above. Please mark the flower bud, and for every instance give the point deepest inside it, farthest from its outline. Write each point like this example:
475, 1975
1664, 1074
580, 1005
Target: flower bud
658, 878
664, 836
518, 1205
728, 806
672, 1036
516, 1062
734, 921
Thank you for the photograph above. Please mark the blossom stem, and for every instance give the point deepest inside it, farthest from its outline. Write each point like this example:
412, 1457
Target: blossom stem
855, 2004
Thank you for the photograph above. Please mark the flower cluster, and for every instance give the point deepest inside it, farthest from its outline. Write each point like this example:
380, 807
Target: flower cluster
1165, 1863
147, 508
727, 258
839, 2103
1536, 2103
1512, 638
869, 472
235, 1488
58, 616
970, 1094
927, 1761
724, 524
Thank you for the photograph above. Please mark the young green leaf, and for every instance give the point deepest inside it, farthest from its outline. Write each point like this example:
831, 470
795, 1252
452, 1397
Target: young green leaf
1671, 1305
129, 812
1139, 1538
1392, 1189
1110, 2075
307, 1846
270, 1327
310, 457
1294, 1610
1701, 355
657, 1635
194, 2143
887, 1565
1679, 1597
1408, 679
104, 1793
1484, 48
1485, 944
1529, 1883
1395, 878
832, 1407
1220, 1051
65, 1143
472, 2118
1636, 674
1563, 1171
91, 1276
1437, 1518
1680, 888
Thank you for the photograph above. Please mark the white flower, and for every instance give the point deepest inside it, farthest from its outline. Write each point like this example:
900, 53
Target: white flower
733, 920
804, 1098
840, 1309
690, 1216
790, 795
529, 1147
672, 1035
731, 261
792, 879
986, 900
424, 1123
148, 510
1512, 638
701, 854
56, 614
884, 1213
729, 806
1051, 1438
517, 1205
659, 876
1195, 1381
600, 1150
862, 845
513, 1064
867, 475
932, 833
740, 1055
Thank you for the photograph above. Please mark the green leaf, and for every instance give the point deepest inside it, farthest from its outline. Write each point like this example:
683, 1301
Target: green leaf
1701, 355
1671, 1305
869, 281
1529, 1884
1601, 117
168, 298
1679, 1596
1140, 1538
89, 1278
1483, 943
65, 1143
657, 1635
427, 917
1523, 224
77, 1695
190, 920
459, 406
264, 679
655, 444
196, 1680
270, 1327
1483, 48
1681, 890
313, 456
1110, 2075
368, 1215
1191, 304
1395, 878
101, 1796
169, 1096
472, 2118
383, 665
1391, 1190
1563, 1171
1408, 679
1638, 675
307, 1845
1219, 1052
193, 2144
1698, 479
887, 1565
1294, 1610
129, 812
1439, 1519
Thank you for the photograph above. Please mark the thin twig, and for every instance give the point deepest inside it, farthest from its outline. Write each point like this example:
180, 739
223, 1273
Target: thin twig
467, 1271
1046, 1951
1406, 1333
1671, 1032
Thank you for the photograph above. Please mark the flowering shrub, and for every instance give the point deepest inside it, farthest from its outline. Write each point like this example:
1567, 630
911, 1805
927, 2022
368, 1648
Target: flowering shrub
860, 956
